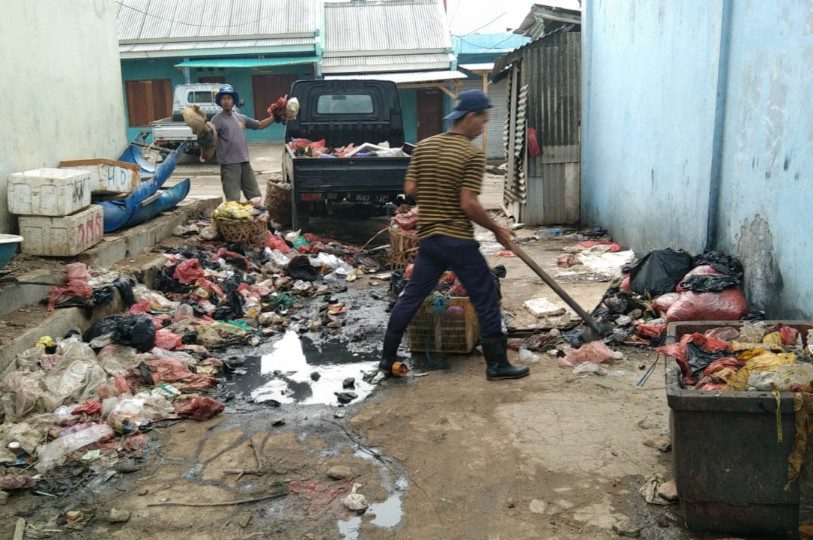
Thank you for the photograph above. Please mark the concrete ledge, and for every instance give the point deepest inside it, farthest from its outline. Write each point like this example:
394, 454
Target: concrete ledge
113, 249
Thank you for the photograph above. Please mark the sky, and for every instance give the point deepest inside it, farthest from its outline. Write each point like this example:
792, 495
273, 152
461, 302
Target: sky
490, 16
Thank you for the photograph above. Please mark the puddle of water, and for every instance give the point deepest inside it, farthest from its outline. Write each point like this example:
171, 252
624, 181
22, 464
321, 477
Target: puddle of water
386, 514
389, 512
349, 528
294, 359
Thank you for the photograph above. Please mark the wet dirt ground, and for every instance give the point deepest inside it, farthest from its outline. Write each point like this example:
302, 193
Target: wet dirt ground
441, 454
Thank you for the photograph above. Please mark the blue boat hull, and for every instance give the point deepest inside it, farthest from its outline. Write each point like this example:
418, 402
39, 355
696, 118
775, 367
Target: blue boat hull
168, 199
119, 214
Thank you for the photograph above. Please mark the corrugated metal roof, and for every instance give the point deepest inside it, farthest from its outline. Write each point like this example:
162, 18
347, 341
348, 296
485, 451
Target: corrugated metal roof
486, 66
398, 78
247, 63
385, 27
199, 20
197, 45
394, 62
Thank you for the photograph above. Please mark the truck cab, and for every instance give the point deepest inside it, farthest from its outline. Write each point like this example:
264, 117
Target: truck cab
343, 112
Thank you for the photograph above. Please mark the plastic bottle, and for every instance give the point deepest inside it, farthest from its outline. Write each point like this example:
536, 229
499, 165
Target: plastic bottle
54, 452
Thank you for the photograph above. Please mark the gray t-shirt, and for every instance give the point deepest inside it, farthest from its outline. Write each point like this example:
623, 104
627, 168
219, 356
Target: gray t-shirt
231, 136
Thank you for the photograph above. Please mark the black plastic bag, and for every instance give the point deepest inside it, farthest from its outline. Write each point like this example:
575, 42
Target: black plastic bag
135, 331
231, 308
100, 328
164, 281
126, 292
699, 358
102, 295
301, 268
725, 264
660, 271
708, 282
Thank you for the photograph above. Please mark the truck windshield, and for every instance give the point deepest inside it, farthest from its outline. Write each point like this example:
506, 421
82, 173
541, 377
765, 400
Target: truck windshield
201, 96
345, 104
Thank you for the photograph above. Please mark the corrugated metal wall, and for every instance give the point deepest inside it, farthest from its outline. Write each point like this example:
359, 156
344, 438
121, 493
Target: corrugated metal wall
550, 68
496, 119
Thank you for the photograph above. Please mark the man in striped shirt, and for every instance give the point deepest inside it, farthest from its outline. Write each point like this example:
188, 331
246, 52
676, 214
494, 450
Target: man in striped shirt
444, 176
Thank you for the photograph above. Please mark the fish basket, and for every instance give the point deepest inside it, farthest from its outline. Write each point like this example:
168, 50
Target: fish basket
244, 232
444, 325
403, 246
278, 202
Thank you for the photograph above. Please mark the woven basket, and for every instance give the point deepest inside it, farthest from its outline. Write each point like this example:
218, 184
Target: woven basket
450, 327
404, 247
278, 202
245, 232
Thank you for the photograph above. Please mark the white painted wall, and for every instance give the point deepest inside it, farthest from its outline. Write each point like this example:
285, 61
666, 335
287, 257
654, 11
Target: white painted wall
61, 86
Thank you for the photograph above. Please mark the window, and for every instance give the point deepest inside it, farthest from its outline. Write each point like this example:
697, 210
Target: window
201, 96
345, 104
148, 100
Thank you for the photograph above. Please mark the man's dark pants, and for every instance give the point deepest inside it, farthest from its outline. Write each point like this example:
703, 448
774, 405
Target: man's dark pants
437, 254
237, 177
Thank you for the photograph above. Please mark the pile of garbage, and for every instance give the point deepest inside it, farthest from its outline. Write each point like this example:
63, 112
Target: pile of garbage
405, 220
671, 286
319, 149
754, 356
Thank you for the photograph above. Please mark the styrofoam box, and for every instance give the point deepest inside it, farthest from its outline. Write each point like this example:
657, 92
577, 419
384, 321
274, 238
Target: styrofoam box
48, 192
62, 236
106, 175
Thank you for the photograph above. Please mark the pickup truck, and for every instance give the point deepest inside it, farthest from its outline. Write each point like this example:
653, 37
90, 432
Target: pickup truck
171, 131
344, 112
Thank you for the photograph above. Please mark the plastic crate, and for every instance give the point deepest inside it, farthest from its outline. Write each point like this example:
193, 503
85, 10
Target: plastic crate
452, 327
729, 468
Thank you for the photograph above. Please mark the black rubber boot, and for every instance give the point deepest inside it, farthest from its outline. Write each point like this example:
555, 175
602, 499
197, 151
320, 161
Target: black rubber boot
389, 354
495, 351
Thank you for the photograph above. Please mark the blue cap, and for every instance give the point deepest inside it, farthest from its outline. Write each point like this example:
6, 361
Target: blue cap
229, 91
469, 101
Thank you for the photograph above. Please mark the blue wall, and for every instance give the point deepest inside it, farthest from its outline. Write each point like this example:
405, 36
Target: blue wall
409, 110
652, 124
240, 79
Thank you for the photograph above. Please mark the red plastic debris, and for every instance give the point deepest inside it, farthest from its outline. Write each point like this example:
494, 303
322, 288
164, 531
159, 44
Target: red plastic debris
16, 481
788, 334
506, 254
76, 285
164, 339
169, 370
197, 407
650, 330
678, 351
662, 303
566, 260
625, 284
273, 241
727, 305
89, 407
722, 363
702, 269
188, 271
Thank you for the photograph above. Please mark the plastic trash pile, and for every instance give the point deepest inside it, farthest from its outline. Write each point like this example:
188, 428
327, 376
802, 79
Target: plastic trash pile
671, 286
755, 356
405, 220
319, 149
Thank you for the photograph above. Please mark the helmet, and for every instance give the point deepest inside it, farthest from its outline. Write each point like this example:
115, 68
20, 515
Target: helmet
227, 90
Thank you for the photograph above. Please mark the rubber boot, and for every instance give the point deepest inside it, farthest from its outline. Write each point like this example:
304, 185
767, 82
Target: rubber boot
389, 363
495, 351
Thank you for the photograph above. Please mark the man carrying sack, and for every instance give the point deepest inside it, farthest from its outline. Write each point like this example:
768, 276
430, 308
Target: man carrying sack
444, 176
228, 143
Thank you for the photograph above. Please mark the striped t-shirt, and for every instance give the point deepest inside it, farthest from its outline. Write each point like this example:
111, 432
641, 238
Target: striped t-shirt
441, 166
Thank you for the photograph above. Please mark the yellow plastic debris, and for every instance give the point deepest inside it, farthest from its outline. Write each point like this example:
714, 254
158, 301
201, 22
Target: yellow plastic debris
773, 340
770, 361
45, 342
739, 380
233, 210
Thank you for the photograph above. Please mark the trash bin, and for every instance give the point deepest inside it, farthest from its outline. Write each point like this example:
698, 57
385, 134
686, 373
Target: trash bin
729, 467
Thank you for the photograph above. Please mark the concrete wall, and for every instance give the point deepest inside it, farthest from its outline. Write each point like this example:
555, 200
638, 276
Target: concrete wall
62, 86
653, 124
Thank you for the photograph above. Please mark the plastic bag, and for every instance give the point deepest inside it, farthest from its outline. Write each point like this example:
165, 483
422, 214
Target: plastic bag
20, 392
274, 242
527, 356
724, 264
30, 358
167, 340
55, 452
793, 378
761, 381
594, 351
300, 268
77, 285
197, 407
708, 283
129, 414
662, 303
651, 330
157, 301
117, 359
728, 305
660, 271
188, 272
71, 383
135, 331
29, 432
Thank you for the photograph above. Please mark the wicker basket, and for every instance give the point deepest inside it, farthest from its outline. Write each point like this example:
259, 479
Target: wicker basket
245, 232
278, 202
447, 325
404, 246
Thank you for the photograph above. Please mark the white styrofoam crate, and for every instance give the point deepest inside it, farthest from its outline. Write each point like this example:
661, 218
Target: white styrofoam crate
106, 175
62, 236
48, 192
